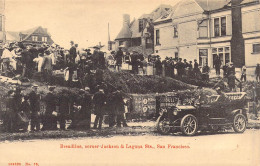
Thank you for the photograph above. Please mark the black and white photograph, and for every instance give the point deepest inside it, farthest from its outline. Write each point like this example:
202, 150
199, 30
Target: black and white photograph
129, 82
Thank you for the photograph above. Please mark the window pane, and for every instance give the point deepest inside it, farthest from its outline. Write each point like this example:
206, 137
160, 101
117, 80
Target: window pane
221, 58
216, 26
214, 50
157, 37
256, 48
227, 49
223, 26
220, 49
203, 57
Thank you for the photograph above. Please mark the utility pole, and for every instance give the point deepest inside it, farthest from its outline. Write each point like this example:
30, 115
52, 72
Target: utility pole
3, 22
108, 42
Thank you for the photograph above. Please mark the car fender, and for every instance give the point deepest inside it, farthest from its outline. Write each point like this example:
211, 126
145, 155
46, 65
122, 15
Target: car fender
238, 111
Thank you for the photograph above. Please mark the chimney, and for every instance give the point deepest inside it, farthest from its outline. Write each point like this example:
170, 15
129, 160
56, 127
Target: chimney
237, 40
126, 19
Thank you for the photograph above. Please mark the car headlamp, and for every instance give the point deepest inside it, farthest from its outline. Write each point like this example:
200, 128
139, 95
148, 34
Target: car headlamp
162, 111
175, 112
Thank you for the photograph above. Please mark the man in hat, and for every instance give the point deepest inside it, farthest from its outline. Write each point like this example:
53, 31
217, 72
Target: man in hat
231, 69
26, 61
50, 121
134, 59
119, 57
225, 70
158, 65
85, 101
73, 52
119, 107
34, 100
196, 69
34, 52
232, 81
217, 64
63, 103
180, 66
95, 56
99, 101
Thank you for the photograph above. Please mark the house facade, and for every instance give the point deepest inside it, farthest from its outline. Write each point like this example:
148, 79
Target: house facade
35, 36
202, 30
138, 34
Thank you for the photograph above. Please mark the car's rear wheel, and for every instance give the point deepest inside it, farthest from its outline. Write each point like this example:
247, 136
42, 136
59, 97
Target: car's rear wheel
163, 126
189, 125
239, 123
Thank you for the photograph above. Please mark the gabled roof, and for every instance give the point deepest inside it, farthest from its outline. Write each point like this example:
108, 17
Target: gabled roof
29, 32
132, 30
249, 1
125, 33
168, 14
209, 5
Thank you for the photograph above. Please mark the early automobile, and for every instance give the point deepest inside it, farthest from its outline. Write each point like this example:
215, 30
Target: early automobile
226, 110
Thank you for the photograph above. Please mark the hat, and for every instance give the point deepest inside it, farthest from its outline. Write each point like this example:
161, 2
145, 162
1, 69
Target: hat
231, 63
72, 42
87, 50
96, 47
122, 46
195, 60
87, 88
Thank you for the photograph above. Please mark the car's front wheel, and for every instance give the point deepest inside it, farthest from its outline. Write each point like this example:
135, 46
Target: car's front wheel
189, 125
239, 123
163, 126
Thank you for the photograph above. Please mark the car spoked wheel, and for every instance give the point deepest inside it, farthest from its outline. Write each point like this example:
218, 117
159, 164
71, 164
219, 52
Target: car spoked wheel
189, 125
163, 126
239, 123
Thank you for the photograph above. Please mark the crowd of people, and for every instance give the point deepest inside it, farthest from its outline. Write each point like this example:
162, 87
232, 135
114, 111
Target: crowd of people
62, 108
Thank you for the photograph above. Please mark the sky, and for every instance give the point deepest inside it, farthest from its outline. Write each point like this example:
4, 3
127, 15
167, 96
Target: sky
83, 21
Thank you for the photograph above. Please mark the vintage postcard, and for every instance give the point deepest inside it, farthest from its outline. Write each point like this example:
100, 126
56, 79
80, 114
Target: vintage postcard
129, 82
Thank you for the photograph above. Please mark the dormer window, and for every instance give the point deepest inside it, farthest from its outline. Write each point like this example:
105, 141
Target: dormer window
44, 39
34, 38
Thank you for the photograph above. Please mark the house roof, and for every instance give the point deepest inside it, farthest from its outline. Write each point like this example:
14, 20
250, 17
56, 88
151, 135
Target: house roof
209, 5
29, 32
249, 1
132, 30
125, 32
168, 14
